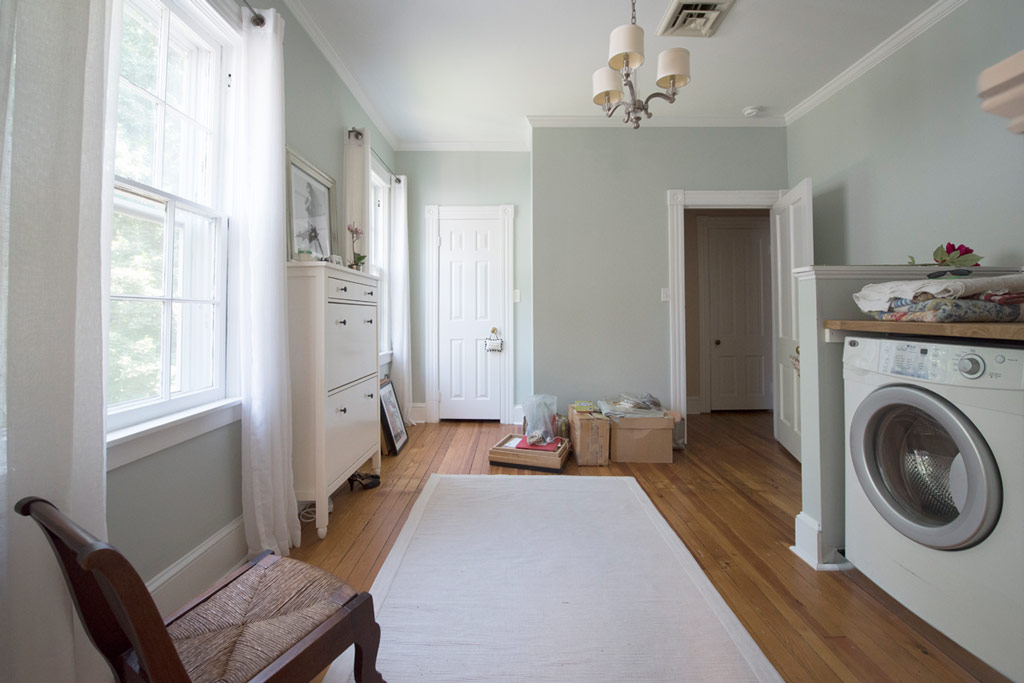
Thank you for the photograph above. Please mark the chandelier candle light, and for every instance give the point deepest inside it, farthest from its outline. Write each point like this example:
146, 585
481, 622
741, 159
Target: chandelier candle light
625, 55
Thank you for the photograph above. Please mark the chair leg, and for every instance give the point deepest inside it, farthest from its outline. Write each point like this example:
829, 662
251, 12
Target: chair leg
367, 639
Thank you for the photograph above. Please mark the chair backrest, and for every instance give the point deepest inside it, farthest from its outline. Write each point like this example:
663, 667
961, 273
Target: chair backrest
112, 601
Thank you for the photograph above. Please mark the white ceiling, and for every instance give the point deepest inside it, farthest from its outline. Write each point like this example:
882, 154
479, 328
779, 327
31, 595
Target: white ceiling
466, 74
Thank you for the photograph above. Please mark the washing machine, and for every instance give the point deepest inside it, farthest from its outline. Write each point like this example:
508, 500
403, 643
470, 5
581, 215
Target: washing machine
935, 485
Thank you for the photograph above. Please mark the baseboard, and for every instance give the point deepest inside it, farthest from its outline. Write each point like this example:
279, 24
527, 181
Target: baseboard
200, 568
808, 537
694, 404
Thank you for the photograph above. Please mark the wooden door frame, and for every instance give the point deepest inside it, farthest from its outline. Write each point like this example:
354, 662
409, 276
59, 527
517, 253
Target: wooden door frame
678, 202
704, 312
505, 214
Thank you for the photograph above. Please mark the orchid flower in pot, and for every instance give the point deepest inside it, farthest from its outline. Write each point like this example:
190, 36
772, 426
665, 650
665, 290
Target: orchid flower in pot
357, 259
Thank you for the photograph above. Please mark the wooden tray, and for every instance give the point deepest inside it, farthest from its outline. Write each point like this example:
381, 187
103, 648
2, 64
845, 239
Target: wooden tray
504, 453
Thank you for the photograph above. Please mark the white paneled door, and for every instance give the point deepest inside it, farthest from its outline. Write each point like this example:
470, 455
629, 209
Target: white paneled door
471, 302
740, 311
792, 247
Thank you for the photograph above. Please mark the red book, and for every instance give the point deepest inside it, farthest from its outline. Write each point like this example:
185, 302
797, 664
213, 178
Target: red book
552, 447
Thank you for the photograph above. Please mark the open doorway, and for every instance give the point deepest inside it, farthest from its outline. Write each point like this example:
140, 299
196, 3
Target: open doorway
728, 310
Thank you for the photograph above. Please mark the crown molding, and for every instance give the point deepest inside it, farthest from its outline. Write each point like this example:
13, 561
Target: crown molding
309, 24
600, 121
883, 51
510, 146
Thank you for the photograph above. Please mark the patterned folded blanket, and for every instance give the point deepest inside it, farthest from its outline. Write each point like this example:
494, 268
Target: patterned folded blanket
981, 308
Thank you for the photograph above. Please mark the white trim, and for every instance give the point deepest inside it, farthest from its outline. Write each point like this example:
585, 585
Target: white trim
517, 415
807, 539
464, 146
312, 27
899, 272
678, 202
599, 120
430, 359
694, 404
883, 51
146, 438
808, 545
215, 557
419, 413
505, 213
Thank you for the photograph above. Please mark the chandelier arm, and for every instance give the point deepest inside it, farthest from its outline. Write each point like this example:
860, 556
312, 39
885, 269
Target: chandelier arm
609, 110
670, 98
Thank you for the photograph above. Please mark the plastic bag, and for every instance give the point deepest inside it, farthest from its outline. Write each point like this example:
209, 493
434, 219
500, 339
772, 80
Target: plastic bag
539, 410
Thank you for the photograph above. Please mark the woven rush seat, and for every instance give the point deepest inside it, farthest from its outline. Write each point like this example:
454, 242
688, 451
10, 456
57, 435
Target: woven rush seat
253, 620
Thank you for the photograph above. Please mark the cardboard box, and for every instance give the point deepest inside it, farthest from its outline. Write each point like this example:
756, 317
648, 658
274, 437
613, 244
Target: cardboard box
590, 434
505, 453
642, 439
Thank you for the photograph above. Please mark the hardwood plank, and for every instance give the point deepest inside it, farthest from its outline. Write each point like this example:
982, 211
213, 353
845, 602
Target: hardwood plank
731, 496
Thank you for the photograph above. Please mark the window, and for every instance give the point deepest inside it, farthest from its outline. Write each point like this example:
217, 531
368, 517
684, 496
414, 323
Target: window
380, 249
168, 259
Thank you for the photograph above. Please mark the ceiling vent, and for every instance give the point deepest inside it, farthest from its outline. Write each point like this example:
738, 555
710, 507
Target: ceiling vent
694, 19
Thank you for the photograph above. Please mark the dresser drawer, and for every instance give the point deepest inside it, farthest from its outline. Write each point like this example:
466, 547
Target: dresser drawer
353, 426
351, 342
349, 290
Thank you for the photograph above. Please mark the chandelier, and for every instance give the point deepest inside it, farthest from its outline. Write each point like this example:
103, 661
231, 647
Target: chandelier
625, 56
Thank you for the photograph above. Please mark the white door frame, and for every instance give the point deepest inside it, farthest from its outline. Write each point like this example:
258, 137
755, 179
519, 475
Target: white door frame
505, 213
678, 202
704, 275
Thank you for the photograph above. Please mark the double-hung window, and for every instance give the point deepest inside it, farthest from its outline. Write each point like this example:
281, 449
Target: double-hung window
168, 259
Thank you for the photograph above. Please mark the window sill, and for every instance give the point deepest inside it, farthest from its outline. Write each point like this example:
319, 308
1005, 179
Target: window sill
384, 358
138, 441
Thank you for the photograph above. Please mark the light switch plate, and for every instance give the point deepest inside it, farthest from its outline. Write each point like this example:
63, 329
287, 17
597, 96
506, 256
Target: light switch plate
515, 296
664, 293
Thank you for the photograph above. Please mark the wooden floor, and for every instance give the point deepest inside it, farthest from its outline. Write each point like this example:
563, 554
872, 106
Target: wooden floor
732, 496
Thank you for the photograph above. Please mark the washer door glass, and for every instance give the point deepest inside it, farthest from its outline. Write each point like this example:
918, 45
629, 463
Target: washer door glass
925, 467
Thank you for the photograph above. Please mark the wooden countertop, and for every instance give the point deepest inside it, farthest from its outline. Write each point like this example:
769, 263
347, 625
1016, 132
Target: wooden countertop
1001, 331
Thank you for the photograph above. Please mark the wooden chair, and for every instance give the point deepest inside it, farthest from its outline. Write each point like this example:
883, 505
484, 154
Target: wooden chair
275, 619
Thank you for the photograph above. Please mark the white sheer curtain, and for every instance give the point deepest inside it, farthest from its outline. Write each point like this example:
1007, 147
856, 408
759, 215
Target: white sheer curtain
54, 198
268, 497
398, 288
356, 182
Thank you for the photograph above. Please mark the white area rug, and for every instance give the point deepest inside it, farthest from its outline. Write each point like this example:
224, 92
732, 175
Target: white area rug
511, 578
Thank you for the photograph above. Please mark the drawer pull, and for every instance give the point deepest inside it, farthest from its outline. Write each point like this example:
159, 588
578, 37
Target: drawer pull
341, 322
342, 410
369, 292
369, 395
341, 289
369, 322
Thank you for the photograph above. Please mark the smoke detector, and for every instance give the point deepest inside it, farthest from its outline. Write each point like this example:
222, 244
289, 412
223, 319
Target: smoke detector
752, 110
693, 19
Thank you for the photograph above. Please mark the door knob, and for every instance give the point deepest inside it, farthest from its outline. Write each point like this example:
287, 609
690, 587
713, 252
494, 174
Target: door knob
718, 342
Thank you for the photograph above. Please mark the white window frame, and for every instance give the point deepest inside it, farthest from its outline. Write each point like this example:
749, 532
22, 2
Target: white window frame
380, 249
130, 420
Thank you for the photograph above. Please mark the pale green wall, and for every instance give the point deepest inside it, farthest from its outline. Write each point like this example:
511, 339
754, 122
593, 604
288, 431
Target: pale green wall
600, 244
904, 159
161, 507
471, 179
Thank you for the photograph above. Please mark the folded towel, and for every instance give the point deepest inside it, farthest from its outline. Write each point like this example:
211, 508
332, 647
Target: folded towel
877, 297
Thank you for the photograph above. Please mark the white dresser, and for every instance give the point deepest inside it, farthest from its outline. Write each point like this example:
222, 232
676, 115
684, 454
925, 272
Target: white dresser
332, 322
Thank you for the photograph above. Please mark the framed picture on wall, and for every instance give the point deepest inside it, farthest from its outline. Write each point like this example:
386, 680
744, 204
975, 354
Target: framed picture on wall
311, 210
395, 436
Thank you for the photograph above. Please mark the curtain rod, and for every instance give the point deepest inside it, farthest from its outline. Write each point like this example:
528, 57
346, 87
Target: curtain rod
257, 19
359, 136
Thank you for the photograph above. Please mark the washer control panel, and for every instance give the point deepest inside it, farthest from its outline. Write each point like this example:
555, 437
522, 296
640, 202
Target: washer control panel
1001, 368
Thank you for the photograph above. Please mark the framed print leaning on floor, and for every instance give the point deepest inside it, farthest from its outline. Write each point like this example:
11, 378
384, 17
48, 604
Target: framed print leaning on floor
395, 435
311, 211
